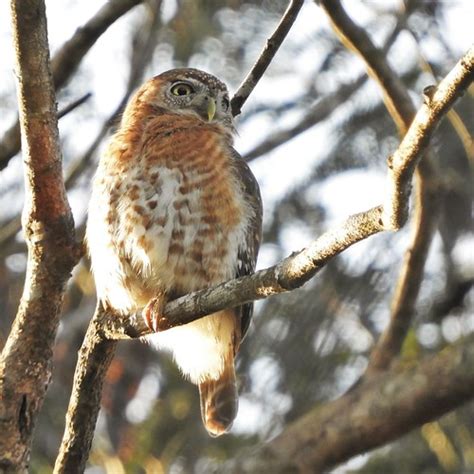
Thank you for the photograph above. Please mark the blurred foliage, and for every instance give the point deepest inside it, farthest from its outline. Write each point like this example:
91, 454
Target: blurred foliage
310, 345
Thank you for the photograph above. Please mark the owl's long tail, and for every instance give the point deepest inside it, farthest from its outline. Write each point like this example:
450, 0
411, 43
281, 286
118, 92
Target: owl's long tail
219, 400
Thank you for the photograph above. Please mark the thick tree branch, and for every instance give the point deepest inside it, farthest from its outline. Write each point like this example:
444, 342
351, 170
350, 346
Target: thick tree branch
49, 229
266, 56
372, 414
66, 61
93, 361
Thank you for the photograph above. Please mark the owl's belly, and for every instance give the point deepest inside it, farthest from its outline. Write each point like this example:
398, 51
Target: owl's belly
176, 231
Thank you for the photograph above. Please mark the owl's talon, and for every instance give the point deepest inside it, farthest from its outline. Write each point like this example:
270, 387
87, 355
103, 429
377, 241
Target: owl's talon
153, 314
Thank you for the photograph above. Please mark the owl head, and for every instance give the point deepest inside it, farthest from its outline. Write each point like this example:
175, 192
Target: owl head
192, 92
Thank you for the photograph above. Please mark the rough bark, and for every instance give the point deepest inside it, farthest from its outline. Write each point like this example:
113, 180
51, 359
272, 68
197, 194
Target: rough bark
94, 359
49, 231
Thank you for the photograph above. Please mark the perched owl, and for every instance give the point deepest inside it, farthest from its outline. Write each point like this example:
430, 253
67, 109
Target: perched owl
175, 209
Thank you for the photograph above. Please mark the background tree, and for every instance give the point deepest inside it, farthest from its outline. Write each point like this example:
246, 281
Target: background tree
318, 134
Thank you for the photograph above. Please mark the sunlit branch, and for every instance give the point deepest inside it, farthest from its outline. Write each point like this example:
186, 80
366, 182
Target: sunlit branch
25, 364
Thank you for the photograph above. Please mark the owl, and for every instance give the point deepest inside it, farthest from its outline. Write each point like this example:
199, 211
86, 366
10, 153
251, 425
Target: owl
174, 209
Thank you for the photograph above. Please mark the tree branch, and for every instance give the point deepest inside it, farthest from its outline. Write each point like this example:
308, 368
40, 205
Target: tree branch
319, 112
402, 110
94, 358
266, 56
66, 61
25, 364
382, 409
289, 274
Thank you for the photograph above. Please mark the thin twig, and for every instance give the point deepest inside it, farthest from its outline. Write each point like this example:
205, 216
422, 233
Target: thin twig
66, 61
74, 105
266, 56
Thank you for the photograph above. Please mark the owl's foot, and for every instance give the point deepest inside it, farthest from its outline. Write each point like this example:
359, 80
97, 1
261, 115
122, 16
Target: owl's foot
153, 314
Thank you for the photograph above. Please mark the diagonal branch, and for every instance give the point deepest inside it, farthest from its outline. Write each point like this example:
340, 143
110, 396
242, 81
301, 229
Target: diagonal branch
287, 275
385, 407
25, 364
402, 110
66, 61
94, 359
266, 56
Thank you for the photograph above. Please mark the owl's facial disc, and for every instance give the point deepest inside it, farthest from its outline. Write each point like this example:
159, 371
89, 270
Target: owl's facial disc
191, 96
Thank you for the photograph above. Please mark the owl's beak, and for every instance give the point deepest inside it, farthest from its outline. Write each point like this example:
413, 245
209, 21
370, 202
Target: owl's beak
211, 109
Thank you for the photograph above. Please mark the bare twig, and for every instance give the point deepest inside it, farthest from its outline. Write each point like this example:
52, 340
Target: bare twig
74, 105
388, 405
66, 61
25, 364
266, 56
300, 267
316, 114
327, 105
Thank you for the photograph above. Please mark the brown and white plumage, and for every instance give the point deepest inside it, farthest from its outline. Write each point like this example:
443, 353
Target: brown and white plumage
174, 209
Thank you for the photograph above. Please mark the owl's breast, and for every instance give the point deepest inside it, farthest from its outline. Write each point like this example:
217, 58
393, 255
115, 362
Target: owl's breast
176, 217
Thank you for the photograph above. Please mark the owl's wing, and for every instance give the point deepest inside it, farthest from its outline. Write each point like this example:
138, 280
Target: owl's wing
248, 248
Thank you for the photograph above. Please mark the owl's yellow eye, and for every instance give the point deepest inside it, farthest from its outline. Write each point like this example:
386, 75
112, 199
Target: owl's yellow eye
182, 89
